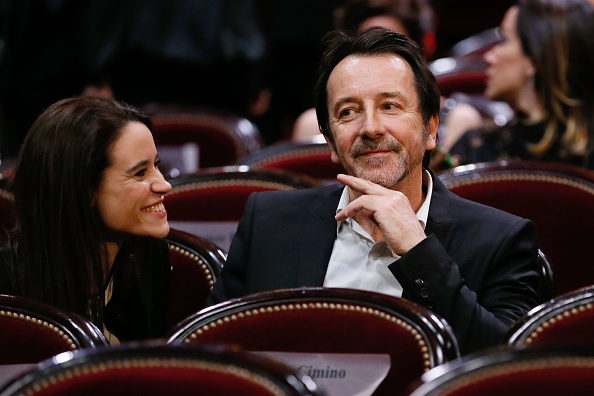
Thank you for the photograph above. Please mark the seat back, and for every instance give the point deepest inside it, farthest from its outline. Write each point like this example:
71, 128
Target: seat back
513, 372
547, 287
195, 265
459, 75
320, 320
558, 198
210, 203
307, 158
220, 136
156, 369
31, 331
567, 319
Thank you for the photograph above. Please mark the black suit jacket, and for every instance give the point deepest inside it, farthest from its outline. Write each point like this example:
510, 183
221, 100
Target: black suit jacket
477, 268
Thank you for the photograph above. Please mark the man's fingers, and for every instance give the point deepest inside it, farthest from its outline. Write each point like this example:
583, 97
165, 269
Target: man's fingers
360, 185
354, 207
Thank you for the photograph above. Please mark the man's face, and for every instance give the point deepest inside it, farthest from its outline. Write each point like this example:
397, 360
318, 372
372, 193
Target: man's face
378, 129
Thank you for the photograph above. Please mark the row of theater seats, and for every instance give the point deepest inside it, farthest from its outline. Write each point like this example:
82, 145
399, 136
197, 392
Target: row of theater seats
558, 198
196, 263
548, 351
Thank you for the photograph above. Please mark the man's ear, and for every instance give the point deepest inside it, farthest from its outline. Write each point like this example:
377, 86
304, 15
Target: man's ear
432, 127
334, 154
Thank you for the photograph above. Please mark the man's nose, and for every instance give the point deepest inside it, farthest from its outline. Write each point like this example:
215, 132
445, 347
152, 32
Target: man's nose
372, 125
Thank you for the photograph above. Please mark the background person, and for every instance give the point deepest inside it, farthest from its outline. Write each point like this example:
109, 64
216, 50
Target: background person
90, 218
542, 69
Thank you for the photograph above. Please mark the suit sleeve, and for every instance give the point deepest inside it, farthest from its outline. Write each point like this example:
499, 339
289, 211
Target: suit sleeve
231, 281
504, 286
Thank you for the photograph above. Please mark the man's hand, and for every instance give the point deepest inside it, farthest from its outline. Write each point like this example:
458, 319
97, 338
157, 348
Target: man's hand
388, 210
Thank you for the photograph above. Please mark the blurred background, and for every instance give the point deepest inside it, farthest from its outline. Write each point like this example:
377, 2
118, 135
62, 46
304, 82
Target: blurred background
254, 58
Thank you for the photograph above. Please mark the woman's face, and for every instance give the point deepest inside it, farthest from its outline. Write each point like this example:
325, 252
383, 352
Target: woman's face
510, 71
130, 194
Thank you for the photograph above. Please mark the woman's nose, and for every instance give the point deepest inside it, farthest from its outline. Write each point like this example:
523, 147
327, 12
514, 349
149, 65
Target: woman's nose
489, 56
160, 185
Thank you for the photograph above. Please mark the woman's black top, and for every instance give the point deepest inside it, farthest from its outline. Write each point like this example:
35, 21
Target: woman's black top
138, 308
511, 142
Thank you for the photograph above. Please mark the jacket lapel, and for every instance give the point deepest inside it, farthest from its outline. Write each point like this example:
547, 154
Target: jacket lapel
319, 231
318, 238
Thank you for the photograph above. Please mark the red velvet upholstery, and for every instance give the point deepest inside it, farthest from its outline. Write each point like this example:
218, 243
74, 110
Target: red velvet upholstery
220, 194
156, 369
312, 159
31, 331
200, 202
195, 265
558, 198
222, 137
568, 319
322, 320
513, 372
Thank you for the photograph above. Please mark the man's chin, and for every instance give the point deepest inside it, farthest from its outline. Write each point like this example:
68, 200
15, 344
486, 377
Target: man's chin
385, 178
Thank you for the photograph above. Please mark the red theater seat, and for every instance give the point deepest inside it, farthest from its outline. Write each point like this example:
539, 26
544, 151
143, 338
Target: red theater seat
195, 265
513, 372
31, 331
333, 320
156, 369
558, 198
307, 158
567, 319
211, 202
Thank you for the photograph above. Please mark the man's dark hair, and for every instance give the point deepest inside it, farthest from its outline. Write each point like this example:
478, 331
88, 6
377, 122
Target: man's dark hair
338, 45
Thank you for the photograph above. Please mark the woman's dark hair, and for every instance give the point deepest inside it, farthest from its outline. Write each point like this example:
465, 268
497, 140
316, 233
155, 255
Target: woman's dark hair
58, 251
558, 36
338, 45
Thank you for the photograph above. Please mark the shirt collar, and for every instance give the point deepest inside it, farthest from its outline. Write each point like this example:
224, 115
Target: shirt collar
422, 213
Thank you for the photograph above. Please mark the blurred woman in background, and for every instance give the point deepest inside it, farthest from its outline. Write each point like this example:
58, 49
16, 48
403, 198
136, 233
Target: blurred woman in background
542, 67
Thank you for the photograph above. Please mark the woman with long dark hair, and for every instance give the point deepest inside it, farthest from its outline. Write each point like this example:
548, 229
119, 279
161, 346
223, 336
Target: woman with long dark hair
90, 218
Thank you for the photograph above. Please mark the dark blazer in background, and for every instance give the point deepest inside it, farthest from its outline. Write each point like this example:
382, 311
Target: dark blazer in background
477, 268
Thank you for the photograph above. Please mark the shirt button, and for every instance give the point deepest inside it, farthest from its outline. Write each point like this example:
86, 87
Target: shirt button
419, 282
429, 304
424, 293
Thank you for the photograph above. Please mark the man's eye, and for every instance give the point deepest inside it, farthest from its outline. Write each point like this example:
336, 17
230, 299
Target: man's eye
157, 163
140, 173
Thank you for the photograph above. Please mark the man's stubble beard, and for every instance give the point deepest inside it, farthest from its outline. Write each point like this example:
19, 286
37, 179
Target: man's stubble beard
373, 169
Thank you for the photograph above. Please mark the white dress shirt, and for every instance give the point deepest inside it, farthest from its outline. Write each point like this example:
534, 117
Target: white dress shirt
358, 262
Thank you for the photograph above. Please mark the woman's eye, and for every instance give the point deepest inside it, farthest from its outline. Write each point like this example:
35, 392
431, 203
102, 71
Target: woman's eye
345, 113
140, 173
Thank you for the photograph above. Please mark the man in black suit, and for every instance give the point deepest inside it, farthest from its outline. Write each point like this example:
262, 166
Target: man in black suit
394, 228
